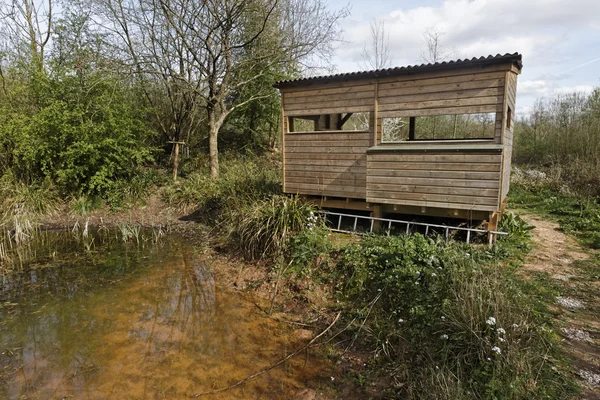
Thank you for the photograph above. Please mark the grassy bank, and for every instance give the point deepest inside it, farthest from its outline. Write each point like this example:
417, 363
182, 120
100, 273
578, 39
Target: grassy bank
441, 320
422, 317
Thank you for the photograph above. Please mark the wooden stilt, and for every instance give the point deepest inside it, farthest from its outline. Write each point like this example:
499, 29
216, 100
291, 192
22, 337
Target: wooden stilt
376, 214
176, 161
493, 226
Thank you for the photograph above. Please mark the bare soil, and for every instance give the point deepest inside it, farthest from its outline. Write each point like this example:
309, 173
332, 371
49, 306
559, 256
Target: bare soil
578, 305
154, 212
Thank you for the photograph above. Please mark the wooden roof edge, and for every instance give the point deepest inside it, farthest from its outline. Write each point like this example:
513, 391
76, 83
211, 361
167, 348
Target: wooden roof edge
515, 59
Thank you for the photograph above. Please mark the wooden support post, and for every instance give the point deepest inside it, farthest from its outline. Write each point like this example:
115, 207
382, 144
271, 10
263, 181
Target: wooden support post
285, 128
493, 226
376, 214
176, 161
175, 158
411, 128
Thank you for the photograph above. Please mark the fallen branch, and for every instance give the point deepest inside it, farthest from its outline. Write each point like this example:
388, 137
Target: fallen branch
278, 363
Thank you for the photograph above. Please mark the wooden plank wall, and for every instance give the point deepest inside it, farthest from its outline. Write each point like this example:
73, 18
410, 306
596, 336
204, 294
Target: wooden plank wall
475, 92
326, 164
335, 164
467, 181
330, 99
507, 140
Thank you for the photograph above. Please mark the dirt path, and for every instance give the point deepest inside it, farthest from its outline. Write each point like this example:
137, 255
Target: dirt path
575, 276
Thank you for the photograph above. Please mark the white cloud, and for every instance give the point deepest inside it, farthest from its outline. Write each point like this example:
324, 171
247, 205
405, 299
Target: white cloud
550, 34
540, 88
475, 28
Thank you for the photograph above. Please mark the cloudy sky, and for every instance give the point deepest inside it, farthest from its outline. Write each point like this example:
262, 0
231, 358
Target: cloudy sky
559, 39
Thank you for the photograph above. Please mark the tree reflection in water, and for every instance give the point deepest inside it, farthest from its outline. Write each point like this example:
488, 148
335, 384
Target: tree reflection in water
139, 324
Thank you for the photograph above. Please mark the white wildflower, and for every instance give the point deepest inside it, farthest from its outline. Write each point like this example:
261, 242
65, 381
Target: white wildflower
502, 340
332, 379
491, 321
443, 317
416, 283
501, 330
400, 321
515, 326
496, 349
433, 274
444, 337
467, 254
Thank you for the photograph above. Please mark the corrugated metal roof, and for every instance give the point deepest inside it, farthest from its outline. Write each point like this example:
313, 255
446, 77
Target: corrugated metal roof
410, 69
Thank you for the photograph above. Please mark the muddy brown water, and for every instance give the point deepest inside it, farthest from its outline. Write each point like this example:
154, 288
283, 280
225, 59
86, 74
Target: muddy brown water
130, 322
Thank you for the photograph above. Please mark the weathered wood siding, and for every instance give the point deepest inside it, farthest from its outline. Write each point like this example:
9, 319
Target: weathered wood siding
336, 163
326, 164
330, 99
468, 181
479, 92
507, 140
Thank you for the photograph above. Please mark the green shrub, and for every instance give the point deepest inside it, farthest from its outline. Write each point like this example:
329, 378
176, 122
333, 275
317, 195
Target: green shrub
243, 179
81, 138
447, 313
519, 233
308, 250
84, 204
124, 193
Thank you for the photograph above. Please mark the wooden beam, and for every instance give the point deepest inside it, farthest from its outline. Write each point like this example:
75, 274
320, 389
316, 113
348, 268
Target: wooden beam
376, 114
343, 120
492, 225
284, 130
376, 214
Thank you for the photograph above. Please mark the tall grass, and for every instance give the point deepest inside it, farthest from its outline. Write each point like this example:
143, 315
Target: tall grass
18, 200
25, 243
244, 179
262, 228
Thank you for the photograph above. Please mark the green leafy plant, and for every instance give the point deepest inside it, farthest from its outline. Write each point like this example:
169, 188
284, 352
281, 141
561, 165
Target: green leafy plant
450, 315
262, 229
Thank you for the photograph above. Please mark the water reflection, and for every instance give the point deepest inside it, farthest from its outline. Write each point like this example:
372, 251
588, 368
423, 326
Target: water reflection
132, 325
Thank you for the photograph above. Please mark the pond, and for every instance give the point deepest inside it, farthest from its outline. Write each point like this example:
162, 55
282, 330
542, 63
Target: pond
130, 321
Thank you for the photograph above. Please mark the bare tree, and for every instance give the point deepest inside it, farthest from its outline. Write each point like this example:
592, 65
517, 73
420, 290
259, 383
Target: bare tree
153, 49
214, 49
434, 49
29, 24
376, 54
